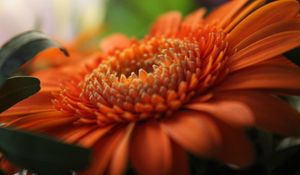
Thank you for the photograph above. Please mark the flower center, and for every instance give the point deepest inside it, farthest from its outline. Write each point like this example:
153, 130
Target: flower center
151, 79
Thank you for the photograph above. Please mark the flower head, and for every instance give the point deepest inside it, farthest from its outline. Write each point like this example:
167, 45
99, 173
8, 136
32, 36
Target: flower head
190, 85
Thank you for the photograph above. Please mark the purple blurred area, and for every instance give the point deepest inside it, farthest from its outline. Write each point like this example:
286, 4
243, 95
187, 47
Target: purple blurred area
211, 3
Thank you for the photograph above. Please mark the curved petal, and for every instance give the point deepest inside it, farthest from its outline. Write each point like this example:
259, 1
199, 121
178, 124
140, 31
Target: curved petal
166, 25
40, 120
74, 134
194, 131
53, 57
281, 26
150, 150
195, 18
115, 41
120, 158
284, 79
51, 78
90, 139
263, 17
44, 124
180, 165
224, 13
70, 133
103, 149
236, 149
243, 13
265, 49
270, 112
231, 112
279, 61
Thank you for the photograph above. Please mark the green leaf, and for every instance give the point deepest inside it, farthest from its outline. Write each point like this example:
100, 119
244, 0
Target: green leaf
16, 89
41, 154
155, 8
134, 17
293, 55
22, 48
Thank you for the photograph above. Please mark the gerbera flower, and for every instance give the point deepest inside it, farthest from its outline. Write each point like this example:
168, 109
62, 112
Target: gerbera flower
190, 85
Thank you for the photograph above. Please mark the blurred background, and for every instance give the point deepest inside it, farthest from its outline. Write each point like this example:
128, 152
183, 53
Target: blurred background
68, 18
61, 19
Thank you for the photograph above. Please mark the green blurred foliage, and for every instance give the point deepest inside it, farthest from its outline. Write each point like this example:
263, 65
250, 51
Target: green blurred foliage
134, 17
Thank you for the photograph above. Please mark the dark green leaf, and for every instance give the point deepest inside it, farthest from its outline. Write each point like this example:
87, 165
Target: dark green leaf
41, 154
22, 48
16, 89
134, 17
201, 166
285, 161
293, 55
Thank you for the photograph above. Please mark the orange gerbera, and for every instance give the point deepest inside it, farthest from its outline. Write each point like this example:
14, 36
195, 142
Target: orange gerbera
190, 85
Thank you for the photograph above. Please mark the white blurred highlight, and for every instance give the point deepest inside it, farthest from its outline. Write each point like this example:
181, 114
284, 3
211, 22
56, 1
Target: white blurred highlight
62, 19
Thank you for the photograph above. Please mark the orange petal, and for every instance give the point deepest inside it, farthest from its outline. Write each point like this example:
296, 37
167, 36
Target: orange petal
150, 150
37, 116
75, 134
62, 132
236, 149
225, 13
285, 79
41, 121
265, 49
263, 17
43, 124
119, 160
115, 41
194, 131
52, 77
180, 164
90, 139
52, 57
194, 19
233, 113
279, 61
241, 15
103, 151
281, 26
166, 24
270, 112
